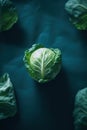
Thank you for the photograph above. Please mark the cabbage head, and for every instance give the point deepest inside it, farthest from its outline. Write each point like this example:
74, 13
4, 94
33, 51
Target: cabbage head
80, 110
43, 64
8, 15
77, 10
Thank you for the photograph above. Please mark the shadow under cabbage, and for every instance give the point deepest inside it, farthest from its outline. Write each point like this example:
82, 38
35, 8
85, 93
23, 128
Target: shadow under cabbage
56, 98
16, 35
9, 123
83, 36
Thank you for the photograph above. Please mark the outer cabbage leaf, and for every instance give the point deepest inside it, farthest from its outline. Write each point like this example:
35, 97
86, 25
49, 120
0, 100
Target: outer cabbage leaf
43, 64
8, 106
8, 15
77, 10
80, 110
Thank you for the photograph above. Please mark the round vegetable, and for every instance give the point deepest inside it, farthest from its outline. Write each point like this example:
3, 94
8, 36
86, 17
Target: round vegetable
43, 64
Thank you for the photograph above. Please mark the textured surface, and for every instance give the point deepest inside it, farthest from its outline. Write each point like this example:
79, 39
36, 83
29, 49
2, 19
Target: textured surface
48, 106
7, 98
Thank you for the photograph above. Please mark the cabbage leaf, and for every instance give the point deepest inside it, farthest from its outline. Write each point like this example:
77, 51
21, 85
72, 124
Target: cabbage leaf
77, 10
8, 15
8, 107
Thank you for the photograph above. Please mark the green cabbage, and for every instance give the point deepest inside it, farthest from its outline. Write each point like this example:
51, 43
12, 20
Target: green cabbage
8, 15
77, 10
80, 110
43, 64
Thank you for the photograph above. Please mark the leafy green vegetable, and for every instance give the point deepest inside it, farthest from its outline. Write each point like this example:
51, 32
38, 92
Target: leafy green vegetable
8, 15
7, 98
77, 9
42, 63
80, 110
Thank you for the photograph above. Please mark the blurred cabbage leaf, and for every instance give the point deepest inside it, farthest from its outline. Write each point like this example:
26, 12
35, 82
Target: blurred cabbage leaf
8, 106
80, 110
8, 15
77, 10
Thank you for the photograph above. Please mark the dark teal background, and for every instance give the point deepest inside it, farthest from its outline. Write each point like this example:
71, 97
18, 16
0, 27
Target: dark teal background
43, 106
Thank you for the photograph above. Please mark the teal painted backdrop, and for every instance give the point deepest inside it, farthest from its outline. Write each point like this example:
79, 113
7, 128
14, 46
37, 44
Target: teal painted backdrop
48, 106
